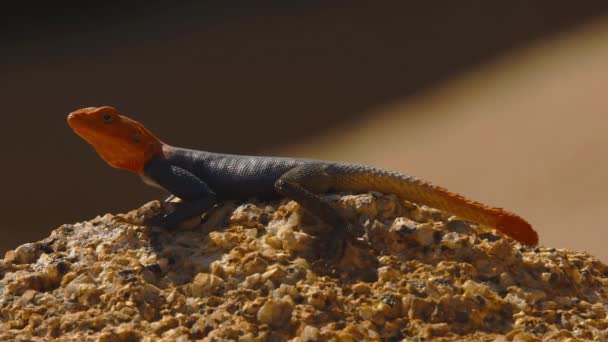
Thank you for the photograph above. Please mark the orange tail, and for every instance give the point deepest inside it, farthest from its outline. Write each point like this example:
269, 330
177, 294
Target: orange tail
517, 228
419, 191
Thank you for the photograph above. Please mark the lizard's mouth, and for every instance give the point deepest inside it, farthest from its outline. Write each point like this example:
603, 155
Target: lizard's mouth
79, 115
76, 121
79, 118
73, 119
79, 124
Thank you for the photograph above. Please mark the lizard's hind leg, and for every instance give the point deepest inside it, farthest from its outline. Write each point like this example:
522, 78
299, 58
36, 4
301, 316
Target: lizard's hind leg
304, 184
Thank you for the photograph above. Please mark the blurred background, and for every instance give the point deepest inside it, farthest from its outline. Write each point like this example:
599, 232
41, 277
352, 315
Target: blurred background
503, 102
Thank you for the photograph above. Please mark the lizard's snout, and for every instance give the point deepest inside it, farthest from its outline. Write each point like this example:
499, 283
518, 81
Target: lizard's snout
75, 115
72, 118
77, 118
78, 121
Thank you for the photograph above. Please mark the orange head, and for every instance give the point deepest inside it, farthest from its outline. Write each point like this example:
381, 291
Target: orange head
123, 143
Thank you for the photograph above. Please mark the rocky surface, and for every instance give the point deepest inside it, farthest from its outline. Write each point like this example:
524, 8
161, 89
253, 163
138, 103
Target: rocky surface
252, 272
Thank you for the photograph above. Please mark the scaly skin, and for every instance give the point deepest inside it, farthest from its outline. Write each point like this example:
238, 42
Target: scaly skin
201, 178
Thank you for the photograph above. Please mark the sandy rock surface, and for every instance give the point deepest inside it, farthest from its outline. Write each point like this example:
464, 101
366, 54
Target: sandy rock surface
263, 271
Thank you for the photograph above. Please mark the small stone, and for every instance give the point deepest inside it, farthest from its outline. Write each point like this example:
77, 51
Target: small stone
309, 333
317, 299
387, 274
518, 302
294, 241
425, 235
451, 240
165, 324
435, 330
28, 296
205, 284
275, 274
26, 253
9, 257
83, 290
366, 312
224, 240
247, 215
275, 312
361, 288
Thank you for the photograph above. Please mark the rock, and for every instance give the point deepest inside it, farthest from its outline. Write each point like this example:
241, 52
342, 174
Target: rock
205, 284
251, 272
275, 312
26, 253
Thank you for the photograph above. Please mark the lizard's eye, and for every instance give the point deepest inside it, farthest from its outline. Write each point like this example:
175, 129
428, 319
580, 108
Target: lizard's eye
107, 118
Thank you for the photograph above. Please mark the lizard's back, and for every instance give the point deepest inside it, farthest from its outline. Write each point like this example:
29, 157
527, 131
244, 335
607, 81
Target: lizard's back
234, 176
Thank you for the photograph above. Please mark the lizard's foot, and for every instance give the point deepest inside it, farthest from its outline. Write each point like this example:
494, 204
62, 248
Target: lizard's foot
333, 249
189, 213
160, 220
346, 256
168, 215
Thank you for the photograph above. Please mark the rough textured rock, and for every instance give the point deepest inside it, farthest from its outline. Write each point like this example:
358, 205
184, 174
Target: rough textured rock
252, 271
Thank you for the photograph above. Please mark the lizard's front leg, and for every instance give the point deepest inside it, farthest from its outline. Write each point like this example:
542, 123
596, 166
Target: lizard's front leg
195, 194
304, 184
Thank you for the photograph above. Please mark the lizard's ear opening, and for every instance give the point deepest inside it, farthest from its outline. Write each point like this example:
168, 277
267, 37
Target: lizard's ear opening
146, 142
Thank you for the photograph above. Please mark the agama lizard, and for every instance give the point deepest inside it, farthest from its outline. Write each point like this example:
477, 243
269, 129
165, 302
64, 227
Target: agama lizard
200, 178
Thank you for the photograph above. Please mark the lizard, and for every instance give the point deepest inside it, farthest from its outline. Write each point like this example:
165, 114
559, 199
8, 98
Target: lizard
201, 179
